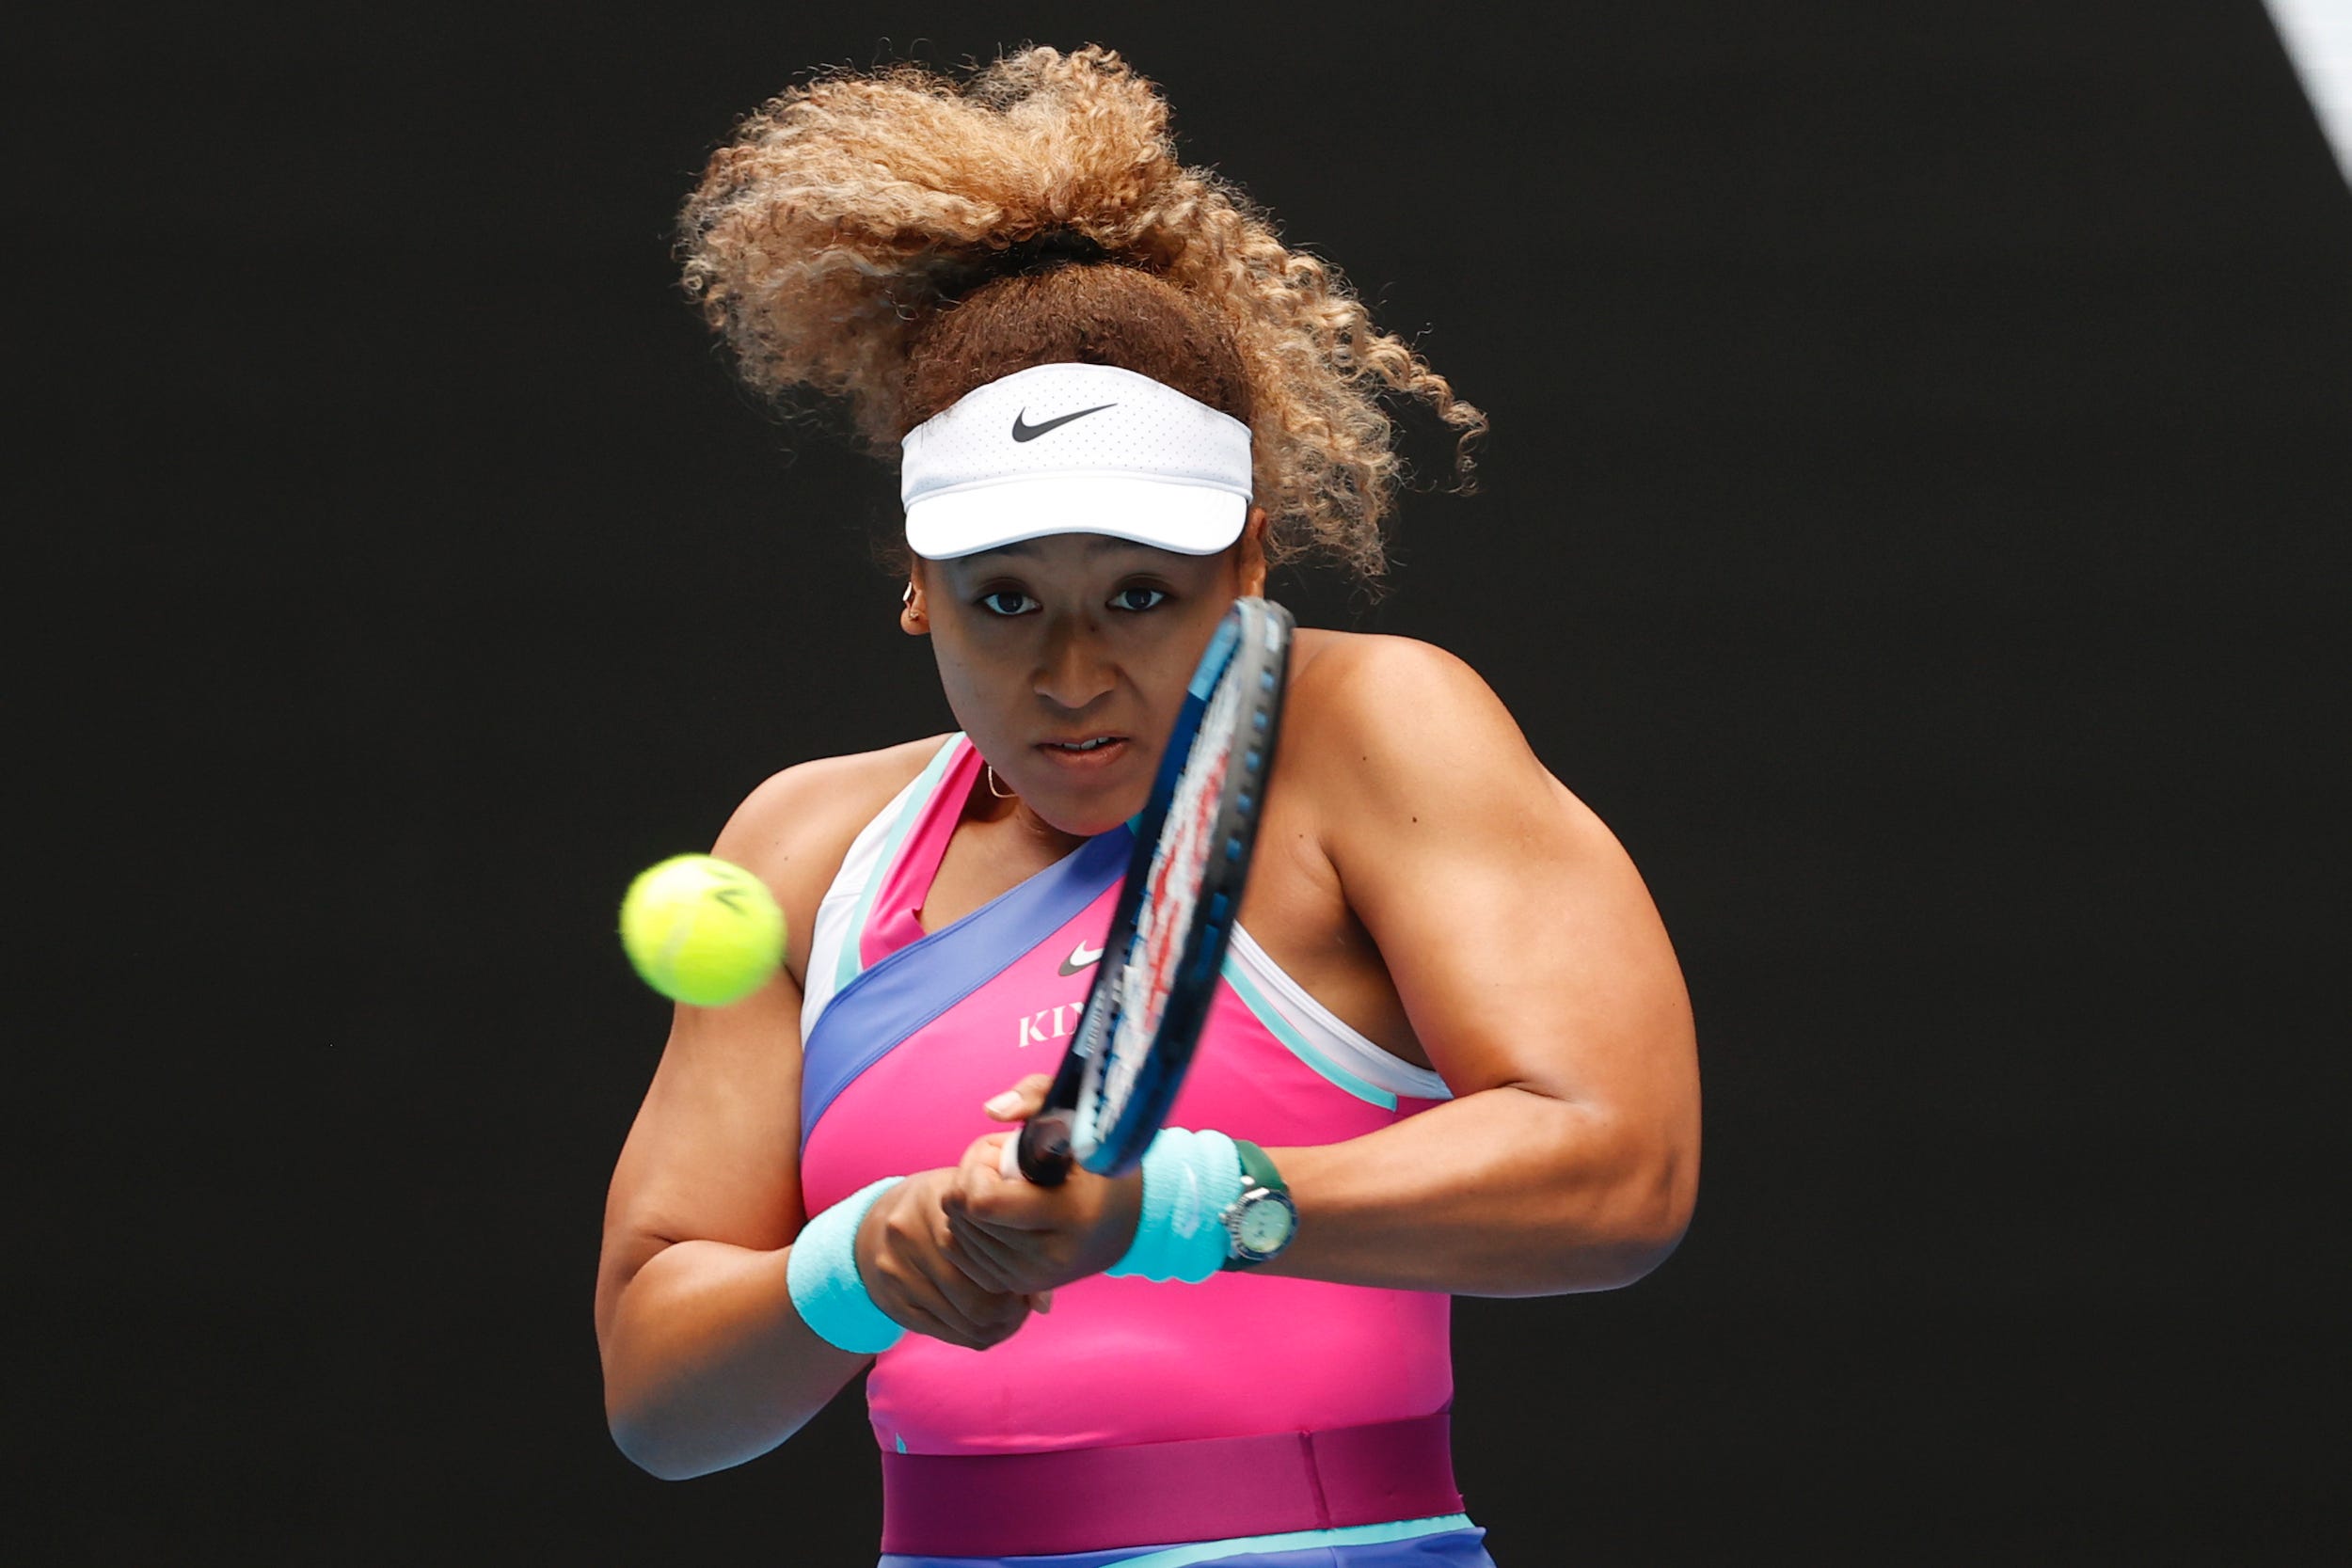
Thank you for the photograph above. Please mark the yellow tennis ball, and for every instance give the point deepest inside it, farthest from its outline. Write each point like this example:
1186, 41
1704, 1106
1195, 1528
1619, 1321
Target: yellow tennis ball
702, 931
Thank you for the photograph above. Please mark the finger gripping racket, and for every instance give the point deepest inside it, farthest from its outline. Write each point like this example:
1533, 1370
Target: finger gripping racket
1174, 918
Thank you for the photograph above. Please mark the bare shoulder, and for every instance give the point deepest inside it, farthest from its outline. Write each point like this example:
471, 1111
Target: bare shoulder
802, 809
1358, 699
1390, 735
794, 830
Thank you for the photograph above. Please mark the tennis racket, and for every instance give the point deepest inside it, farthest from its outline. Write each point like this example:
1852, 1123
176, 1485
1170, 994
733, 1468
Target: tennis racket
1174, 918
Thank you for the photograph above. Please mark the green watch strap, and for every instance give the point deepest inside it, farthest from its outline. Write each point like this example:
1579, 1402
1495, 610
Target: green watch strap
1257, 1170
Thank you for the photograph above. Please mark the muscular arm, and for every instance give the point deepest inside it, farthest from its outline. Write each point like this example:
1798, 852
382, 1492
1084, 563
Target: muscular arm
1531, 967
707, 1362
1538, 978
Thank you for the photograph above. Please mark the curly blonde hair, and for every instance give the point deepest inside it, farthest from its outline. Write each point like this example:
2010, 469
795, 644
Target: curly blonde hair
837, 238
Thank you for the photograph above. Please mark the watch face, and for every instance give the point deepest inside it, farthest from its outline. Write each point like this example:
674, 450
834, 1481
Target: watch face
1265, 1224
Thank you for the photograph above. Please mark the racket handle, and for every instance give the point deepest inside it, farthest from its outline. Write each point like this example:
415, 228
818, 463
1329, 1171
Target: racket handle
1041, 1153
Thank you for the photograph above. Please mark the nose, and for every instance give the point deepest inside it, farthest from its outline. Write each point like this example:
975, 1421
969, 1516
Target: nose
1073, 668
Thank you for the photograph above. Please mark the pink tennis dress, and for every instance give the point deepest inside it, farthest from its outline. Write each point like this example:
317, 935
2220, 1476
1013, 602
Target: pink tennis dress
1246, 1409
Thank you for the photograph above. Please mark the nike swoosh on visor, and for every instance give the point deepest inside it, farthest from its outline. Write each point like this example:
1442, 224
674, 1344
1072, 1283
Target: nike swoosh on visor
1024, 431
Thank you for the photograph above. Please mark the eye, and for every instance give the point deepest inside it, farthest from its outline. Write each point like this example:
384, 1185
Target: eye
1139, 598
1007, 602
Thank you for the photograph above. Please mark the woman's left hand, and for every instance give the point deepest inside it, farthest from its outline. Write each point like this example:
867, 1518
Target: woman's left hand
1011, 1236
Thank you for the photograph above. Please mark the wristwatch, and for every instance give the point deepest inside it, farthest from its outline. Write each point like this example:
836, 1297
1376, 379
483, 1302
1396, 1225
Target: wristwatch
1261, 1221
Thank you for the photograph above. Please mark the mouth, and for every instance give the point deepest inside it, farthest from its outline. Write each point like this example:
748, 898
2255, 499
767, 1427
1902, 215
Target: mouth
1084, 753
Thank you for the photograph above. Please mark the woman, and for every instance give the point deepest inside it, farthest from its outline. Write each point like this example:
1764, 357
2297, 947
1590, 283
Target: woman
1452, 1054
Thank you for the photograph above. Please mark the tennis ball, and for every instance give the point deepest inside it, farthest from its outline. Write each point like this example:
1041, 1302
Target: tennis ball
702, 931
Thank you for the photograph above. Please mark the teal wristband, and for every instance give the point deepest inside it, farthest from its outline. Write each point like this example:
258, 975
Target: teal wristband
822, 1273
1189, 1180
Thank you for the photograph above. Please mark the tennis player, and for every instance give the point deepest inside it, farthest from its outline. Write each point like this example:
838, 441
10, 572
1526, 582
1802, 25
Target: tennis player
1452, 1053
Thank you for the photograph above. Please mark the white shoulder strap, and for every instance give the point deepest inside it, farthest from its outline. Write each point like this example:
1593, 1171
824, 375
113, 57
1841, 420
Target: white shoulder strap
833, 945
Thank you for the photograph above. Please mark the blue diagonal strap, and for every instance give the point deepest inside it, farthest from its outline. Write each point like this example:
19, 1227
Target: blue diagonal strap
870, 1016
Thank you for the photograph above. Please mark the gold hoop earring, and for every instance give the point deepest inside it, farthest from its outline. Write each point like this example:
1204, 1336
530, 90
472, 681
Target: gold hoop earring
1000, 794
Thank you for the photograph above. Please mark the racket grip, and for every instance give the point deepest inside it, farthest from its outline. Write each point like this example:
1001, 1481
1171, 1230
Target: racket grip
1041, 1153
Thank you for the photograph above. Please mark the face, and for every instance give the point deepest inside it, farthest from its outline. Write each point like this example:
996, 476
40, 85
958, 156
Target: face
1065, 659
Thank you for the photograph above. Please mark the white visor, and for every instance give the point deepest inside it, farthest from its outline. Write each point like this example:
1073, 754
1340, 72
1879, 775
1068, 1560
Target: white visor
1074, 448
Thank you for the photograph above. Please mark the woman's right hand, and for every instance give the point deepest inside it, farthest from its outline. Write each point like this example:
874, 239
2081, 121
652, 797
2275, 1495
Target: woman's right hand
903, 1254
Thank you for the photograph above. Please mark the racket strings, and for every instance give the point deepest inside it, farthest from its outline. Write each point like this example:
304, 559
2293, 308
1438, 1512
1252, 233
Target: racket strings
1172, 892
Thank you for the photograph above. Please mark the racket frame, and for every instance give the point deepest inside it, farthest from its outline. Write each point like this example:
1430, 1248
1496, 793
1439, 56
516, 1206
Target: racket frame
1251, 648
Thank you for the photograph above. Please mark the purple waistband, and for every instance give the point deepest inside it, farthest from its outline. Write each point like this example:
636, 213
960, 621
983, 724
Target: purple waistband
1150, 1493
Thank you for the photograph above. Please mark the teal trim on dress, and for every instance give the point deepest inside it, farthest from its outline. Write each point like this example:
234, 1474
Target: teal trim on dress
853, 943
1282, 1029
1347, 1535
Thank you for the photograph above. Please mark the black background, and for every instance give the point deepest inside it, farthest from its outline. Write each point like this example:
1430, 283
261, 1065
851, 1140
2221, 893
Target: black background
1912, 521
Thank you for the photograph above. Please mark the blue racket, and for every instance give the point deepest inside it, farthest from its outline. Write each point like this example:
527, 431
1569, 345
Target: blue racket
1174, 919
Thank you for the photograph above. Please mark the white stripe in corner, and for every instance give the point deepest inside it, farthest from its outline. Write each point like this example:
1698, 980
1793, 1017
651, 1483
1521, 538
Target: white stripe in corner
1331, 1047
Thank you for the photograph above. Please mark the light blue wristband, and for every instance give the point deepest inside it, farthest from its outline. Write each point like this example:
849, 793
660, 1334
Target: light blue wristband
1189, 1180
822, 1273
